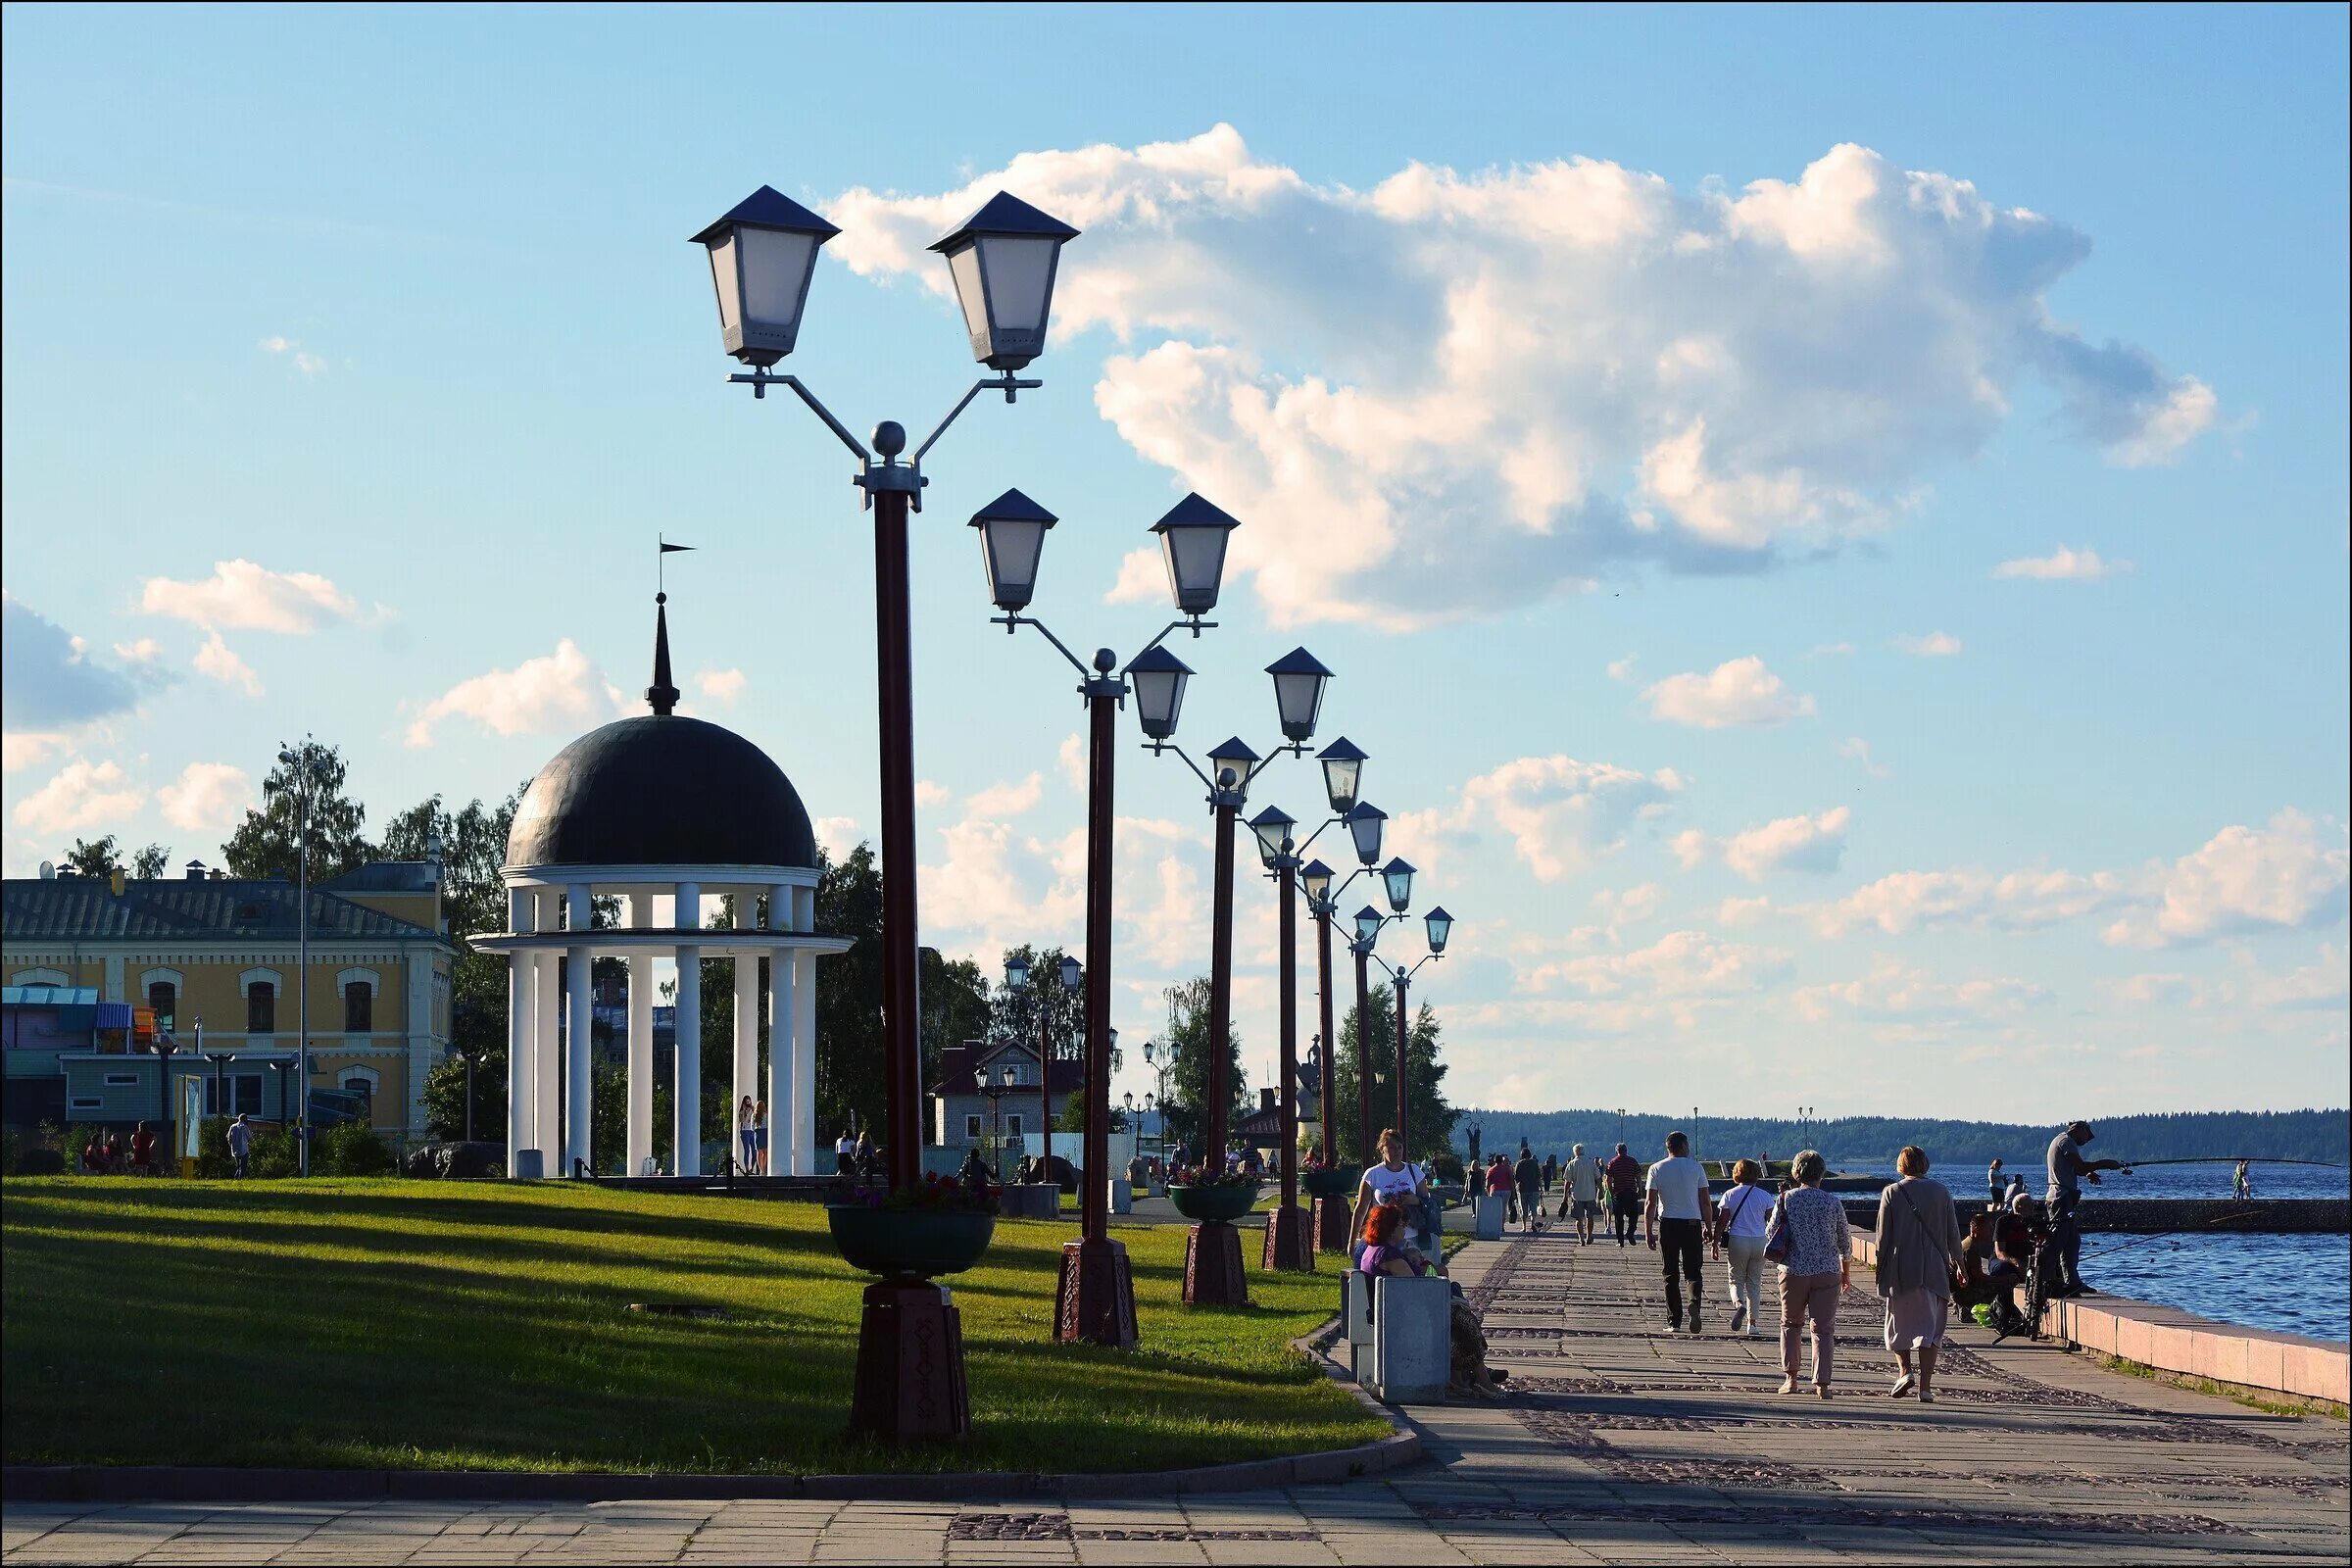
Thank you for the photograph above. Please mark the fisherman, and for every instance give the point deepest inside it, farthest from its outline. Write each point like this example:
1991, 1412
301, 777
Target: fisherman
2067, 1168
2241, 1182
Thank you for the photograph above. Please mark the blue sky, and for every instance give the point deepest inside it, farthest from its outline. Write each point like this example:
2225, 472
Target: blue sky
1635, 409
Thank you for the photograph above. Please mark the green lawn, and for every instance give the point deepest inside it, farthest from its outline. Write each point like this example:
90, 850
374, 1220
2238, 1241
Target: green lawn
425, 1324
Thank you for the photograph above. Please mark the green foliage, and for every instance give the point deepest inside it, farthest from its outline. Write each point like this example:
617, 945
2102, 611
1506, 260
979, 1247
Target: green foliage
347, 1149
1014, 1017
99, 857
445, 1099
263, 844
1073, 1118
849, 994
1429, 1120
1188, 1085
451, 1291
213, 1162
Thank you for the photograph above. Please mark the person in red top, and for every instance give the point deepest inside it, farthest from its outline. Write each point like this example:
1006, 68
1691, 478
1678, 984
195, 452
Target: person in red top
1624, 1172
93, 1155
142, 1151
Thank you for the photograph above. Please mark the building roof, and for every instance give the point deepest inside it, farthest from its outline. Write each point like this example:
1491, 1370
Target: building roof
85, 909
387, 876
957, 1064
661, 789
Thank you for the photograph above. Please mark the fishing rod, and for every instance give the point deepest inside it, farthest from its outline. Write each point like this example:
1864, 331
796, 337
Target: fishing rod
2231, 1159
2168, 1236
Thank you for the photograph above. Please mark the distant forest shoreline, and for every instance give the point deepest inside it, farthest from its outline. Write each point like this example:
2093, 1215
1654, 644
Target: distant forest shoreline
2176, 1135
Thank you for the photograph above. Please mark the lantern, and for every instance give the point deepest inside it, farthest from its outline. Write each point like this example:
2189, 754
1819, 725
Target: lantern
1193, 537
1012, 535
1273, 829
1159, 678
1002, 260
1298, 681
1365, 824
762, 254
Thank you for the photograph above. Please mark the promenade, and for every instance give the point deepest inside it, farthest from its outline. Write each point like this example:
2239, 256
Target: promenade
1619, 1444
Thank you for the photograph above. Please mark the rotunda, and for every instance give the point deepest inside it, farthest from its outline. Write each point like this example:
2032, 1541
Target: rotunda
681, 821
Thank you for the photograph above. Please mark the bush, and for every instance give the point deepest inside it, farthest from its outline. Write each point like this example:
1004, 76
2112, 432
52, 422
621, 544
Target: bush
211, 1152
351, 1149
276, 1152
1445, 1168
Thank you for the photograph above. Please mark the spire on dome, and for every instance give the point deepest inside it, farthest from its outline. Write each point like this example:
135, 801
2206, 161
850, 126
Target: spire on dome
662, 694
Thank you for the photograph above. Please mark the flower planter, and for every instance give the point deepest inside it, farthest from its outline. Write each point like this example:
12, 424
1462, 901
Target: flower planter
1214, 1203
1328, 1182
922, 1243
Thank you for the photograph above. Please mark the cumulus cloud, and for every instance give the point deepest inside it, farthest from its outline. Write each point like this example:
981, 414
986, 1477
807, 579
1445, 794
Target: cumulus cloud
1559, 814
561, 692
1809, 844
306, 364
1678, 965
23, 749
1451, 393
837, 836
1898, 991
2288, 875
1007, 799
1855, 747
241, 596
84, 795
206, 797
47, 679
219, 661
2063, 565
1935, 645
721, 686
930, 792
2020, 901
142, 651
1736, 692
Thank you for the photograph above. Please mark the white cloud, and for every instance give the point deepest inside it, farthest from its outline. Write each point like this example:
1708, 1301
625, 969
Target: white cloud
1859, 749
1630, 906
1738, 691
1935, 645
561, 692
1810, 844
837, 836
2290, 875
929, 792
144, 651
241, 596
1559, 814
1421, 397
721, 686
1622, 669
1897, 991
23, 749
207, 797
84, 795
2324, 984
1072, 756
306, 364
2021, 900
216, 659
2064, 564
1006, 799
1678, 965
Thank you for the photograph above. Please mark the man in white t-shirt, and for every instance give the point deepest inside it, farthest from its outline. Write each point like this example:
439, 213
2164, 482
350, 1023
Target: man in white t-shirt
1581, 1179
1681, 1209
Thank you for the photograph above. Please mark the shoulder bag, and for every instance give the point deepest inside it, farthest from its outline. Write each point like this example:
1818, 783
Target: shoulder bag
1777, 1239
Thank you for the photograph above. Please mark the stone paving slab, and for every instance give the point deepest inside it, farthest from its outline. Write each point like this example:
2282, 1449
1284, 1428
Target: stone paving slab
1620, 1444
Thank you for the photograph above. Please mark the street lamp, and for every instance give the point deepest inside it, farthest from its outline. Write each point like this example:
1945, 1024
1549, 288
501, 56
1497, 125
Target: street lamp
1003, 261
1437, 929
302, 761
1016, 978
1098, 1305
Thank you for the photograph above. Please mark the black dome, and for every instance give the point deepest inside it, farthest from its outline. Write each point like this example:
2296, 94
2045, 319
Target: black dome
662, 790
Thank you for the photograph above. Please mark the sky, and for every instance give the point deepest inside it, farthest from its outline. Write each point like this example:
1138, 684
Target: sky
1831, 526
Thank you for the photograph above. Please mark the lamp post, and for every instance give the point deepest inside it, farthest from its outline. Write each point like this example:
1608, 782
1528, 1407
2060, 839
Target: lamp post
302, 762
1212, 1274
221, 1061
1397, 878
1097, 1302
1161, 1057
1016, 978
1003, 261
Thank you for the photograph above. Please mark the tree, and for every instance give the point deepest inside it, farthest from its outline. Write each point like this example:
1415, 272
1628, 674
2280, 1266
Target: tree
849, 993
956, 1007
1013, 1015
1073, 1119
263, 844
473, 900
1428, 1120
101, 858
445, 1097
1188, 1086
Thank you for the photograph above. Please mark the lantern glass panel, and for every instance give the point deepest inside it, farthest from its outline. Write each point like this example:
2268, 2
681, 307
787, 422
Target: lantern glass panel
1016, 973
1009, 548
1399, 879
1019, 268
723, 276
1367, 826
1367, 923
1440, 925
1158, 700
1315, 878
964, 268
1341, 777
1298, 699
1195, 556
775, 278
1071, 973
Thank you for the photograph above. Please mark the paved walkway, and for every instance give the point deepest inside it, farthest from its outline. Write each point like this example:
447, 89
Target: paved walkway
1622, 1445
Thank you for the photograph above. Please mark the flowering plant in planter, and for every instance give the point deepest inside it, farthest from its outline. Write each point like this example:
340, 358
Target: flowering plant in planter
934, 1193
1211, 1176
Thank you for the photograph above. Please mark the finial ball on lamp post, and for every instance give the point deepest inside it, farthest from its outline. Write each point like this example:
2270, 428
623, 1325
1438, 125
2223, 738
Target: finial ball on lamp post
762, 254
1231, 757
1368, 924
1002, 260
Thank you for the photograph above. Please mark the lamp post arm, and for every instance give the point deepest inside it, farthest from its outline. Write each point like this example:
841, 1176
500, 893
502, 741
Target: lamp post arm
1193, 625
1416, 968
760, 380
1157, 747
1013, 624
1005, 383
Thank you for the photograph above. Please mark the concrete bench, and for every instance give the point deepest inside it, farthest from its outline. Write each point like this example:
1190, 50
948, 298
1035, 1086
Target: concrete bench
1122, 1196
1030, 1200
1413, 1339
1490, 1210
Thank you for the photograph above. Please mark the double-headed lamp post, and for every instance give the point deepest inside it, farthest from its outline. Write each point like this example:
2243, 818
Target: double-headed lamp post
1003, 261
302, 761
1367, 826
1097, 1300
1397, 878
1016, 978
1212, 1272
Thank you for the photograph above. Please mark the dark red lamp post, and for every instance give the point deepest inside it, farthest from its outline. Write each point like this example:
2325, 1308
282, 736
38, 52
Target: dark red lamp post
1002, 260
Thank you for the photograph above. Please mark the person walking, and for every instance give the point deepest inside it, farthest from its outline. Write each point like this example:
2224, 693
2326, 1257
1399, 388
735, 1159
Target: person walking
845, 1154
1681, 1211
1624, 1173
1993, 1182
1579, 1193
1816, 1262
1918, 1247
1529, 1177
1552, 1174
241, 1144
2067, 1168
142, 1151
1739, 1238
2241, 1181
1498, 1185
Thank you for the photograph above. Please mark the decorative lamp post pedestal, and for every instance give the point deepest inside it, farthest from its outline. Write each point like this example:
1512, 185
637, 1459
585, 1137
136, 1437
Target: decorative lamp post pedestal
1332, 1216
910, 1385
1213, 1266
1287, 1244
1096, 1300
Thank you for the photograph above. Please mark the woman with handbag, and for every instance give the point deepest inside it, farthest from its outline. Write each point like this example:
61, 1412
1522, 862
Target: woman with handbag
1739, 1217
1918, 1247
1809, 1238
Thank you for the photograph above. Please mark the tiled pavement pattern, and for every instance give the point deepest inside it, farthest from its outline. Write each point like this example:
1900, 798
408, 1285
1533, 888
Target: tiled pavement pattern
1622, 1445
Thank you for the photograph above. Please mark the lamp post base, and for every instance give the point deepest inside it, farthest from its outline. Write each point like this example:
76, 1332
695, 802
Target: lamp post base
1332, 1216
1213, 1266
1287, 1241
910, 1386
1096, 1297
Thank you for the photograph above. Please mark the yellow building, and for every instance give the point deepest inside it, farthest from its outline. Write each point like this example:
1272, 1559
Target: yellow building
224, 953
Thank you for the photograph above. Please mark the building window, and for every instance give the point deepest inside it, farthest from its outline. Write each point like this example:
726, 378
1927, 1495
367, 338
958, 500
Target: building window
365, 1087
121, 1080
244, 1095
260, 1008
1012, 1126
84, 1103
163, 997
359, 1008
971, 1128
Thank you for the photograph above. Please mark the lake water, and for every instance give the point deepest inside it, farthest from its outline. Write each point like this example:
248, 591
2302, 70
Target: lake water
2300, 1284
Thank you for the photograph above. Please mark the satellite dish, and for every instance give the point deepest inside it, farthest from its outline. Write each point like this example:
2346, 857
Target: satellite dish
48, 870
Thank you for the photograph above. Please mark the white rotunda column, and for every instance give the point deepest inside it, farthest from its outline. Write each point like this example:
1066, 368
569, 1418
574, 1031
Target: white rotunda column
746, 1032
521, 993
579, 1075
547, 1087
783, 1047
641, 1040
803, 1034
689, 1034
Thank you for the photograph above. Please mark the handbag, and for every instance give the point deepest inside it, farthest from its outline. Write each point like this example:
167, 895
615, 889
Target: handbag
1779, 1241
1723, 1221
